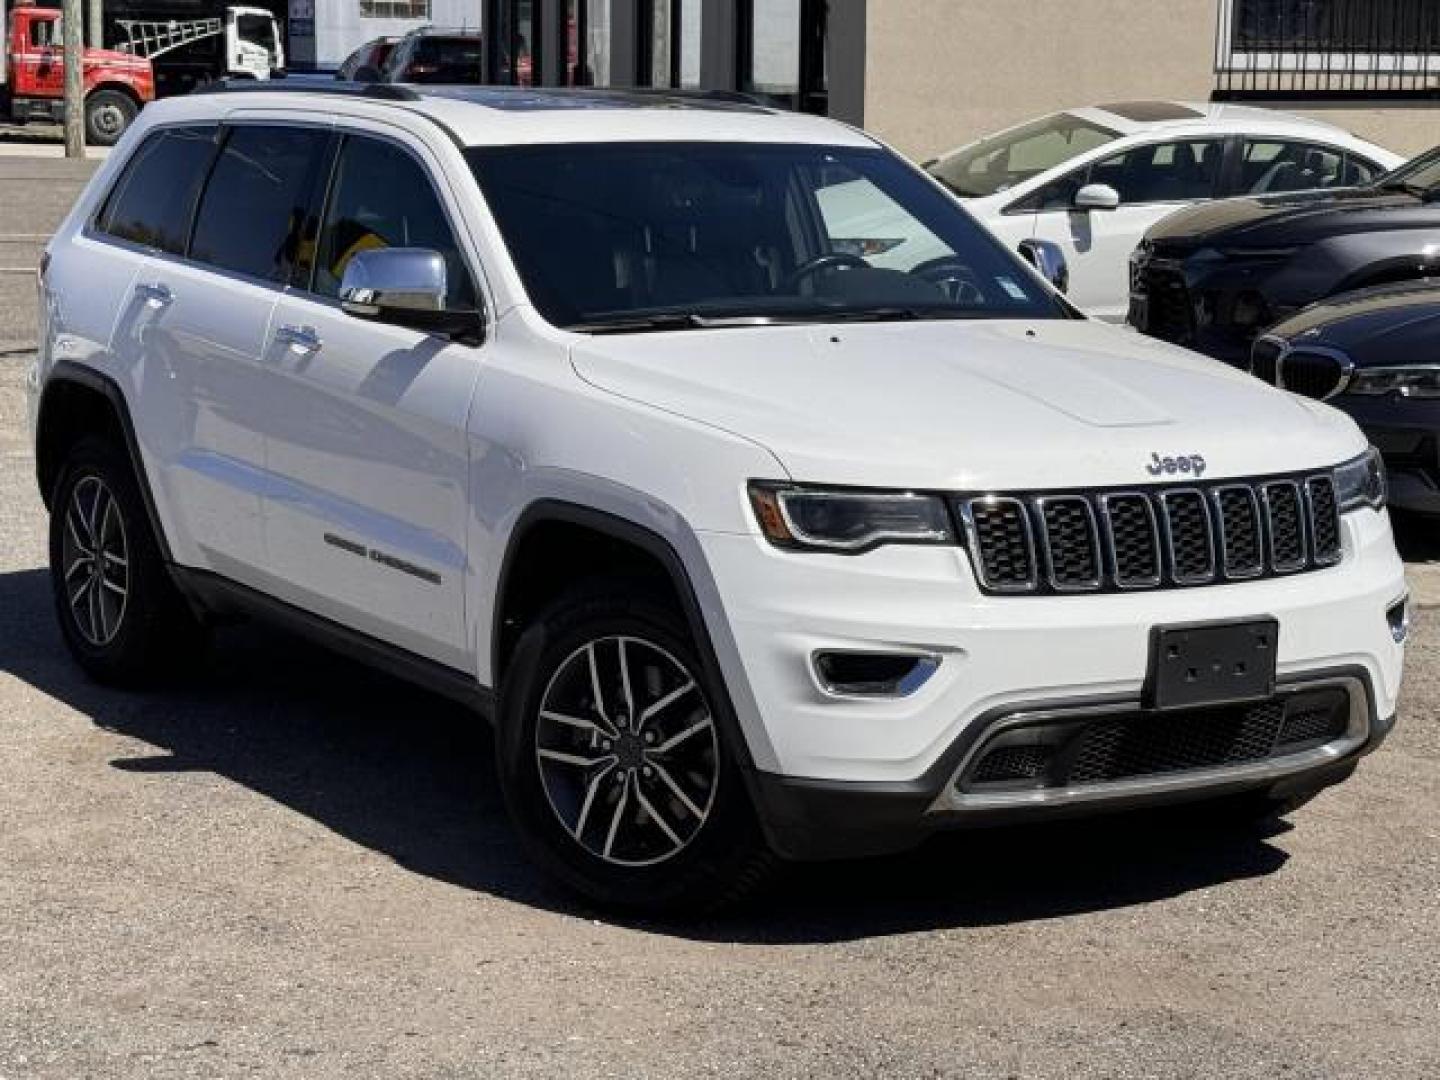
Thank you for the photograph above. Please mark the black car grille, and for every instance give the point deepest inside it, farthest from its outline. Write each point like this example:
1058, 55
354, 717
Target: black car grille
1165, 310
1133, 745
1200, 534
1317, 375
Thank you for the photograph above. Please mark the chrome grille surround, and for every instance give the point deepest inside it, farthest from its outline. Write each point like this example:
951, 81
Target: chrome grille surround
1152, 537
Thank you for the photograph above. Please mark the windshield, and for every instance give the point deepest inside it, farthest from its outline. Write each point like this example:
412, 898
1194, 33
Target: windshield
1420, 174
622, 233
1012, 157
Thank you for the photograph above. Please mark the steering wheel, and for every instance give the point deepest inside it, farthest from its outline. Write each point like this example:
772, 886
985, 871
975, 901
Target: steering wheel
835, 260
953, 277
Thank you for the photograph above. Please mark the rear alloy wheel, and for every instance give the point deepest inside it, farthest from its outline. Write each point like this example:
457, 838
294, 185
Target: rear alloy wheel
616, 762
95, 560
118, 609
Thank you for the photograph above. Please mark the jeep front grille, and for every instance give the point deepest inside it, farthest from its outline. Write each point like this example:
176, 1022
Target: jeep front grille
1166, 537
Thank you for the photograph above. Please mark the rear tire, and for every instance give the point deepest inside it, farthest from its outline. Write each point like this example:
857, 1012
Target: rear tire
120, 614
616, 764
108, 115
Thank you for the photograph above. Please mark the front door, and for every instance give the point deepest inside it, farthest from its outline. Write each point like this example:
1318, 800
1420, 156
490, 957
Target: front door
1153, 181
369, 459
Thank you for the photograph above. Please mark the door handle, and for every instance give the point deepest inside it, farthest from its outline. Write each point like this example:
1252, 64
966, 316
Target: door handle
158, 294
303, 339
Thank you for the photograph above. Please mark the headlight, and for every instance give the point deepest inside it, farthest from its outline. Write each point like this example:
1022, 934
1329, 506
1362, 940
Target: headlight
1418, 380
1361, 482
847, 521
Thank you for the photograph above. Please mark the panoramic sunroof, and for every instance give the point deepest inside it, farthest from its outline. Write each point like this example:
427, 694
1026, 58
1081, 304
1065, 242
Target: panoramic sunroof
1149, 112
521, 99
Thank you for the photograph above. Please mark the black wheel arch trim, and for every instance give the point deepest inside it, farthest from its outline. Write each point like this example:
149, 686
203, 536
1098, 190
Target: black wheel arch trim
75, 374
550, 510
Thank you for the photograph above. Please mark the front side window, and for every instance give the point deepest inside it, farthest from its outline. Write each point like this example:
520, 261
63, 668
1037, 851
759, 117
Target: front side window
1154, 173
253, 210
617, 232
155, 197
1013, 157
381, 197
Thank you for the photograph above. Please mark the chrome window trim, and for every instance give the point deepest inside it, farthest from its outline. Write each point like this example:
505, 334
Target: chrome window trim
1175, 576
972, 538
1260, 533
1155, 546
1300, 506
1357, 731
1087, 584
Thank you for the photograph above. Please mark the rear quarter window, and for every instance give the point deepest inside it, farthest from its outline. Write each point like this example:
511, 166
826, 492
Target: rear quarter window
154, 199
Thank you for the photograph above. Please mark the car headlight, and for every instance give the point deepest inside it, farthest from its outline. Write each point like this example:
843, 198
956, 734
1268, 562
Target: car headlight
1417, 380
847, 521
1361, 482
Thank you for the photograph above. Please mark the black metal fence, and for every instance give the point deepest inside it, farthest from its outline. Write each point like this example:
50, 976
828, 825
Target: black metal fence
1328, 48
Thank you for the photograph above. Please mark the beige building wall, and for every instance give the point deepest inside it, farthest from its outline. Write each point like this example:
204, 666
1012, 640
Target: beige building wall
939, 73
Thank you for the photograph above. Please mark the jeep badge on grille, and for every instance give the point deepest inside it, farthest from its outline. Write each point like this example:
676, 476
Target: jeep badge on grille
1191, 464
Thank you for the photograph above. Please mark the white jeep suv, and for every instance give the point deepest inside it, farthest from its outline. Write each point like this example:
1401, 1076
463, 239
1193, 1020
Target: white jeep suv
574, 406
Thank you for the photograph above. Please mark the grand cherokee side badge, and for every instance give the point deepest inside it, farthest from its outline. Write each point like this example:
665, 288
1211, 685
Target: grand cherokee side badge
1191, 464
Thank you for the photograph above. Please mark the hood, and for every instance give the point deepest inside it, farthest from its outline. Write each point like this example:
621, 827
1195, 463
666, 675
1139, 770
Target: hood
970, 405
1287, 220
1375, 328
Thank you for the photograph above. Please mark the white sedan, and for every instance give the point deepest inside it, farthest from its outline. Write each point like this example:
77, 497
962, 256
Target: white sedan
1093, 180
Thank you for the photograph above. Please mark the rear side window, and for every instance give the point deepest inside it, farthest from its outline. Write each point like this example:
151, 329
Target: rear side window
155, 198
253, 211
383, 198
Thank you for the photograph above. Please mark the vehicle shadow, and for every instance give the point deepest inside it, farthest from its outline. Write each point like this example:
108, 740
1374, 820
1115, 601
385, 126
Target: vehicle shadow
1416, 537
410, 775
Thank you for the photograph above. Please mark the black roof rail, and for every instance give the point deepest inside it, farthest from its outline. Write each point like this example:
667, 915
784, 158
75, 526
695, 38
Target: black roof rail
373, 91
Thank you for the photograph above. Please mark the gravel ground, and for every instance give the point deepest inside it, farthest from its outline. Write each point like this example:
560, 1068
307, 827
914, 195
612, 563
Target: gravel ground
293, 866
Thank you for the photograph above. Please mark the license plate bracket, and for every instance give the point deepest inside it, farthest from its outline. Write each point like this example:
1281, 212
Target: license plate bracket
1211, 663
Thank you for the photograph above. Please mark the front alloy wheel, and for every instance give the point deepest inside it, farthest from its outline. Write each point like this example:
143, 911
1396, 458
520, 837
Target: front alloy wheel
627, 751
619, 760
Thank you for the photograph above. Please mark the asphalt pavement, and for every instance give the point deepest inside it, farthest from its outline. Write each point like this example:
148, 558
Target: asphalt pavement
291, 866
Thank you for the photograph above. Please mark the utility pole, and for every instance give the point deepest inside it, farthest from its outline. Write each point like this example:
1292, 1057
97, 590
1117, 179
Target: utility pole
95, 27
73, 18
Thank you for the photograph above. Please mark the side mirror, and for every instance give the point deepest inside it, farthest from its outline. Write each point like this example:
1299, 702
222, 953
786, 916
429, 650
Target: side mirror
1097, 197
1049, 260
404, 287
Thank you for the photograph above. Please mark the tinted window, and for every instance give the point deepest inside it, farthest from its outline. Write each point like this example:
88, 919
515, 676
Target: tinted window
255, 204
445, 60
602, 231
1358, 171
383, 198
155, 197
1014, 156
1271, 165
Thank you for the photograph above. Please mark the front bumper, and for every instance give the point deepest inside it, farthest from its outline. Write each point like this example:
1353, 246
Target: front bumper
886, 761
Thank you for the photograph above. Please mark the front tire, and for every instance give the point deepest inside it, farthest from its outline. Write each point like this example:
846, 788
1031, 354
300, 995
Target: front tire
119, 612
108, 115
615, 760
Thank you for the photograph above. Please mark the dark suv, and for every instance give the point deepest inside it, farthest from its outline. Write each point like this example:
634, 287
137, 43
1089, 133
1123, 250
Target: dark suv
436, 56
1214, 276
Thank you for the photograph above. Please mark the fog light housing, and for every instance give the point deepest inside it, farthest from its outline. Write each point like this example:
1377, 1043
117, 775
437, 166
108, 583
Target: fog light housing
1398, 617
866, 674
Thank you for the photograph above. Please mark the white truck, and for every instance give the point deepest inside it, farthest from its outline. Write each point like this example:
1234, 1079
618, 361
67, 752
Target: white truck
240, 43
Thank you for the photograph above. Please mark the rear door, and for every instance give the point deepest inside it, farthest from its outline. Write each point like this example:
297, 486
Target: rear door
199, 325
368, 457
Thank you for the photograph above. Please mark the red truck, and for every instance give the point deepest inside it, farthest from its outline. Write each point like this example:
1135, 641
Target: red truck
32, 77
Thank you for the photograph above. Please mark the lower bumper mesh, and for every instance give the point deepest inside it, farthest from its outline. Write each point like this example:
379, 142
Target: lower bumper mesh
1105, 748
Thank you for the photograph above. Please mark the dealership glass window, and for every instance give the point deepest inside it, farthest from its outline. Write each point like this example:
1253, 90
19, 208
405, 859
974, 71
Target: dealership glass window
587, 35
688, 43
658, 22
515, 37
395, 9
